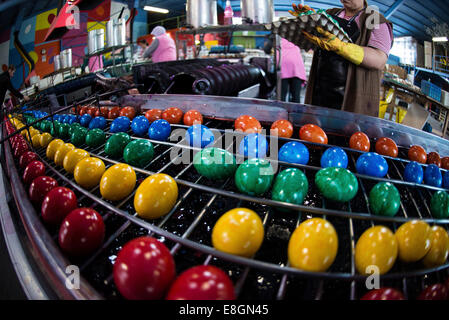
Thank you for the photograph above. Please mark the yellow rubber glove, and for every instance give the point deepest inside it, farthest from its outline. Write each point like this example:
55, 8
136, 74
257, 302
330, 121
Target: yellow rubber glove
330, 42
298, 9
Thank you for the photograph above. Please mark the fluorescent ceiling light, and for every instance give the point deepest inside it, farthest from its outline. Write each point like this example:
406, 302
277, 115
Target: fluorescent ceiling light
440, 39
154, 9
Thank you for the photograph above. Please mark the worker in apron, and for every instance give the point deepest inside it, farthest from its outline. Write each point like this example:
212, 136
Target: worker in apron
347, 76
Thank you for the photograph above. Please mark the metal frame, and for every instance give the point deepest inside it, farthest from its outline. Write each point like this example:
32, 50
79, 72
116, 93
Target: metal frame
219, 108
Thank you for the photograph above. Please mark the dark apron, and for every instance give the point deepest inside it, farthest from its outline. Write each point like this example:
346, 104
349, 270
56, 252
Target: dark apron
332, 71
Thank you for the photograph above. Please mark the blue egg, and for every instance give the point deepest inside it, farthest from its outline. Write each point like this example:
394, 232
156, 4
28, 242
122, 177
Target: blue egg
66, 118
98, 123
413, 172
334, 157
140, 125
446, 180
294, 152
199, 136
85, 120
254, 145
432, 176
372, 164
121, 124
159, 130
72, 119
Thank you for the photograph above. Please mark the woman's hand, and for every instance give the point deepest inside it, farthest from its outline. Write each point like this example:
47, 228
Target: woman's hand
299, 9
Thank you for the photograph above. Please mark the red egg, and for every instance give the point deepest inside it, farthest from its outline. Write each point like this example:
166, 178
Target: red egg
434, 158
153, 115
445, 163
114, 113
247, 124
103, 112
81, 232
173, 115
387, 147
20, 148
26, 158
434, 292
57, 204
360, 141
192, 117
313, 133
418, 154
202, 283
144, 269
40, 187
282, 128
33, 170
91, 111
84, 110
128, 112
383, 294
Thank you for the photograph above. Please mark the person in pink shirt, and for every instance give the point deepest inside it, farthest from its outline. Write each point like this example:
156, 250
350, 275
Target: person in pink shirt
163, 48
293, 73
347, 76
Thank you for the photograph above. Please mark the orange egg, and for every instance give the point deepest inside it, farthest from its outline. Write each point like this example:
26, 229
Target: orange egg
114, 113
387, 147
360, 141
434, 158
247, 124
192, 117
282, 128
128, 112
313, 133
418, 154
153, 115
173, 115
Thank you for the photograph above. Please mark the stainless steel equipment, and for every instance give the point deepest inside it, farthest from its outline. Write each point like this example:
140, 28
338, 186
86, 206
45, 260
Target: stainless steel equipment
201, 13
66, 58
92, 42
257, 11
186, 230
116, 33
99, 39
57, 62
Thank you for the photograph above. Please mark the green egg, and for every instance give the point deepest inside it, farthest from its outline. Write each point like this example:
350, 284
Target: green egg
384, 199
254, 176
337, 184
439, 205
215, 164
116, 144
290, 186
138, 153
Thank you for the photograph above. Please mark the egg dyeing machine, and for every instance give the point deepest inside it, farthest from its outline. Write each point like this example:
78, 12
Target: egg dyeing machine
268, 272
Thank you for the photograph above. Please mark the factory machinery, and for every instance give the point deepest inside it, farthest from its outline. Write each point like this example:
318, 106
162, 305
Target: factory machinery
186, 230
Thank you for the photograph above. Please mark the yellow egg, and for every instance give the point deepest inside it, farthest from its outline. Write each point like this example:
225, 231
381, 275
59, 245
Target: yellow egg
62, 152
36, 141
45, 139
88, 172
52, 148
156, 196
72, 158
413, 240
239, 231
313, 245
376, 247
117, 182
439, 248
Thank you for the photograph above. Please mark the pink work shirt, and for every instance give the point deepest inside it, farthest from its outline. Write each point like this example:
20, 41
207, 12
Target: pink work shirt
166, 50
291, 61
381, 37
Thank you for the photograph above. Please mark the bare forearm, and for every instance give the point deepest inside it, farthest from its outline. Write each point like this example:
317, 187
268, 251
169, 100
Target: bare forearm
374, 58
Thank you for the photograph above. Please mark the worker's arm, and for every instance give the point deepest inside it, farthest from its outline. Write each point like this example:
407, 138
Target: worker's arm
374, 58
367, 57
13, 91
150, 50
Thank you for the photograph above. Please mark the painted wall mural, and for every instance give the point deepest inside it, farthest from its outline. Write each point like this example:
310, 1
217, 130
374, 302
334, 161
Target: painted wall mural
32, 34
